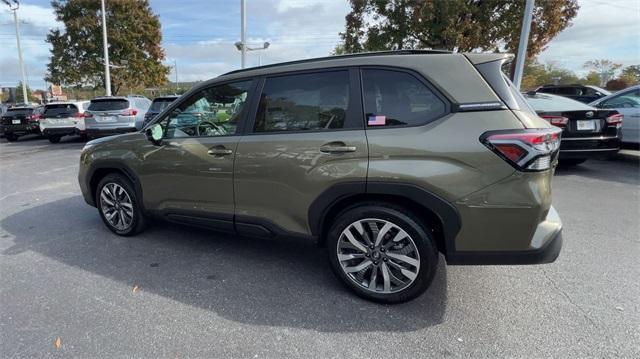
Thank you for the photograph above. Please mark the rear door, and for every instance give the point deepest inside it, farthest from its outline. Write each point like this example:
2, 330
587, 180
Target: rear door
307, 135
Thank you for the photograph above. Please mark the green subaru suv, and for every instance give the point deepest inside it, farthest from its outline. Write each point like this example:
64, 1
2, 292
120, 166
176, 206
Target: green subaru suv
386, 159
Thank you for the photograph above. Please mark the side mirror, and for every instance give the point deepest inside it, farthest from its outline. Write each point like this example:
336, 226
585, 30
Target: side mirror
155, 134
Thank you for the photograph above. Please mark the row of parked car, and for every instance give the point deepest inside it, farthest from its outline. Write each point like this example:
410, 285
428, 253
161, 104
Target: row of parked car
102, 116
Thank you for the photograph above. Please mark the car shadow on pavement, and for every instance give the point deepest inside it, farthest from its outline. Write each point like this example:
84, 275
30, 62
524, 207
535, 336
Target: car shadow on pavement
623, 169
273, 282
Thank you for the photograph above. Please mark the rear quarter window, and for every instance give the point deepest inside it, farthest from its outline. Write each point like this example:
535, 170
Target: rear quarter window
108, 105
158, 105
396, 98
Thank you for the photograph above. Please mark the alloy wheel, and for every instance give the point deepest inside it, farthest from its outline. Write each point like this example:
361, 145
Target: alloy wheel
116, 206
378, 255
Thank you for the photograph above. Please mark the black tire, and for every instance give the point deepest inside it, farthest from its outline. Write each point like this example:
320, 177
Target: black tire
571, 162
54, 139
404, 219
11, 137
138, 222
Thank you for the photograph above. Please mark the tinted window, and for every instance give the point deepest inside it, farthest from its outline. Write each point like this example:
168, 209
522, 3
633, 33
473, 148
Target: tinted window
19, 111
108, 105
214, 111
160, 104
60, 109
317, 101
393, 98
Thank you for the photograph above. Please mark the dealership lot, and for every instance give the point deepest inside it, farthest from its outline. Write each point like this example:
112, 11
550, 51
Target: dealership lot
197, 293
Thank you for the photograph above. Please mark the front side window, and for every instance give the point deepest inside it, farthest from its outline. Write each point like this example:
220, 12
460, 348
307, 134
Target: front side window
214, 111
306, 102
394, 98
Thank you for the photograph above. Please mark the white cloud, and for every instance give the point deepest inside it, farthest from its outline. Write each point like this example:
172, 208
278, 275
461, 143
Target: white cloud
602, 30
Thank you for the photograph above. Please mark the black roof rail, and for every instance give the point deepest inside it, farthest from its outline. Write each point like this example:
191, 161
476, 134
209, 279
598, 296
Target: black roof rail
347, 56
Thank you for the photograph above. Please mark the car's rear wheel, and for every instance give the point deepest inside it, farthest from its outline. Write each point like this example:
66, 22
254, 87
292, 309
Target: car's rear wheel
119, 206
11, 137
382, 252
54, 139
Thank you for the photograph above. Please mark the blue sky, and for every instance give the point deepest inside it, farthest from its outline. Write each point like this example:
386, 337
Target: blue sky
200, 34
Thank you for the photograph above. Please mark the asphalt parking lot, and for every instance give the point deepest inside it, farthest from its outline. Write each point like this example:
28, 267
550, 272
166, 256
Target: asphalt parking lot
199, 294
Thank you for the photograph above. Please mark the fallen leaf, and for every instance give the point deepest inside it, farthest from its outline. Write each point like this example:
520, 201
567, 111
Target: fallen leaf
460, 340
135, 288
620, 309
57, 343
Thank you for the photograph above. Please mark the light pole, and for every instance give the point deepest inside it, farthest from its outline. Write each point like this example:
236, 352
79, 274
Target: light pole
243, 30
175, 68
244, 48
524, 41
14, 7
105, 46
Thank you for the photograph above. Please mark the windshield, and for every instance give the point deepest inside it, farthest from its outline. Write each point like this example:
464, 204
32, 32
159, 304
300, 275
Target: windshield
108, 105
552, 103
60, 109
159, 104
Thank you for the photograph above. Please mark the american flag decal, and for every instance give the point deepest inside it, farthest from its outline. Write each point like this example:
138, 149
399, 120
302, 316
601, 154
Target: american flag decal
377, 120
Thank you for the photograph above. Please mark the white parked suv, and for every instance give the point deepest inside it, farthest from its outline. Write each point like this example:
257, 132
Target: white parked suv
63, 118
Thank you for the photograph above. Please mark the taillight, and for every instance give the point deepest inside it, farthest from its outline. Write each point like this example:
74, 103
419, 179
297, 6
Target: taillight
615, 120
36, 117
129, 112
88, 115
81, 115
559, 121
526, 150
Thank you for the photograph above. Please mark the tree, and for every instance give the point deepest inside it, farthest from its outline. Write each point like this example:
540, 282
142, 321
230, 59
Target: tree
134, 38
462, 25
537, 74
30, 96
631, 74
592, 78
616, 84
604, 68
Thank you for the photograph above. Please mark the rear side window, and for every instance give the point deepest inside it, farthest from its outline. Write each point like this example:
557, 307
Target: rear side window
306, 102
60, 109
159, 104
108, 105
395, 98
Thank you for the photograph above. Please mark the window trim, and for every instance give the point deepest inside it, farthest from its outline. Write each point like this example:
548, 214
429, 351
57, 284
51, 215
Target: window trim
352, 113
417, 76
194, 92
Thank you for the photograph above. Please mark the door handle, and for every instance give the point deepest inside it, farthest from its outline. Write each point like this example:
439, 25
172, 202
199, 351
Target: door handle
337, 147
219, 151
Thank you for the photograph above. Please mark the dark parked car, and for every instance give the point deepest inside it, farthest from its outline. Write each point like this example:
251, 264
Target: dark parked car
587, 132
21, 120
387, 159
158, 105
582, 93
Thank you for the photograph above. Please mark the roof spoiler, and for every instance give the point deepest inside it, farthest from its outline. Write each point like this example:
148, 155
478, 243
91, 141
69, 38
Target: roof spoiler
482, 58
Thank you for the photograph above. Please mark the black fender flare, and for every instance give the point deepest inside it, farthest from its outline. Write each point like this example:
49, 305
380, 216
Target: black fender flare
116, 165
444, 210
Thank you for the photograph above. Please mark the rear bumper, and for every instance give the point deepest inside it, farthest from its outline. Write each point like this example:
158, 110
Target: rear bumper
59, 131
21, 129
545, 248
589, 147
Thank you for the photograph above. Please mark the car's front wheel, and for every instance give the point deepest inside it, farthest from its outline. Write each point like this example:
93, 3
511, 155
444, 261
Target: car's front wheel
54, 139
382, 252
119, 206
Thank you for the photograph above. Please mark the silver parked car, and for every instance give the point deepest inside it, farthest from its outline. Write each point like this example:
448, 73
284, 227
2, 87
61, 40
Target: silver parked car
627, 102
115, 114
62, 119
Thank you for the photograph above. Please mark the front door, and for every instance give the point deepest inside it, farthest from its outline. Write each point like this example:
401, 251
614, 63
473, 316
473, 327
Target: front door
189, 177
307, 135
